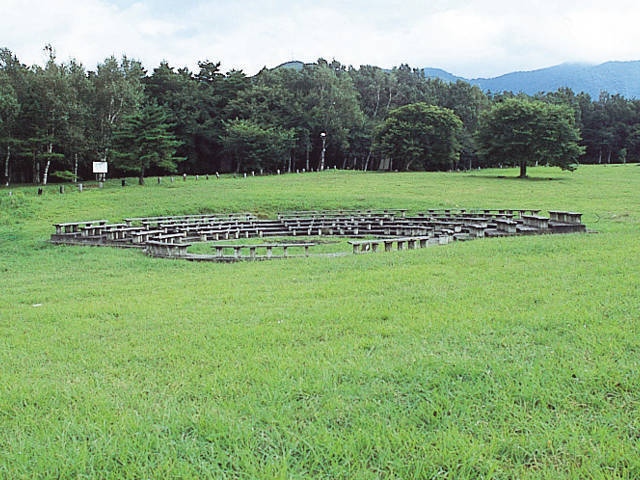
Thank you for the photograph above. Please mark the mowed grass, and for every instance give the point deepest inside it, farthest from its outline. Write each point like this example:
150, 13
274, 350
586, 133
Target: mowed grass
497, 358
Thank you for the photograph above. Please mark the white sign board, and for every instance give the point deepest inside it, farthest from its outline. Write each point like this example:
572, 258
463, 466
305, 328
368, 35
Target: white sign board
99, 167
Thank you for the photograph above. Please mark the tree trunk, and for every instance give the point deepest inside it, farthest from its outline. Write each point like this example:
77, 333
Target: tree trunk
75, 168
45, 176
36, 169
366, 162
408, 165
523, 169
6, 166
375, 110
141, 177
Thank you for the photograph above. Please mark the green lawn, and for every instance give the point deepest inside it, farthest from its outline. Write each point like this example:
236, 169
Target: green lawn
496, 358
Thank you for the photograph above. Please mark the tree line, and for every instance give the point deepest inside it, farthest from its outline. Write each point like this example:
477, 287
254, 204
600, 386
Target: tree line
56, 120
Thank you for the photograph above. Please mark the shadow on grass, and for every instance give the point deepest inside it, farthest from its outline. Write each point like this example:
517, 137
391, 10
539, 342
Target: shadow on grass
516, 177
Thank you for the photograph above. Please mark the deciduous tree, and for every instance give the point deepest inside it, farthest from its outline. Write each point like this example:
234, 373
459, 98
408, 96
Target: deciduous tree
330, 103
254, 147
421, 137
524, 131
118, 92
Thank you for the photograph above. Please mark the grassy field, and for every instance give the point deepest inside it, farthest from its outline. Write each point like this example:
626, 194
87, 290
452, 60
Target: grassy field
497, 358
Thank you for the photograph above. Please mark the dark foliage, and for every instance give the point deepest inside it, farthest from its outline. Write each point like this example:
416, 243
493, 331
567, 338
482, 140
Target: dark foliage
55, 121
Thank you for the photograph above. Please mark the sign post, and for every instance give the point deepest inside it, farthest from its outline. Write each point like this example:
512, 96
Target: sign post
100, 169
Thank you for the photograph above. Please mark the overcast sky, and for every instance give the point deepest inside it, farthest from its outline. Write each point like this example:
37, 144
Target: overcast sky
470, 38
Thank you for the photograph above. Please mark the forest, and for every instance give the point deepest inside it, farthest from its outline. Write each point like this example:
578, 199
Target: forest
58, 119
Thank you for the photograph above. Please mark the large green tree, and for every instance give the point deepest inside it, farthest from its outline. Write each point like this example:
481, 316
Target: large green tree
377, 92
214, 91
330, 103
177, 91
525, 132
254, 147
118, 92
79, 135
51, 121
271, 103
144, 140
419, 136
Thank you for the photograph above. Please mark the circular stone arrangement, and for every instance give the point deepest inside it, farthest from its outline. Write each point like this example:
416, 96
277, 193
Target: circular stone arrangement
367, 231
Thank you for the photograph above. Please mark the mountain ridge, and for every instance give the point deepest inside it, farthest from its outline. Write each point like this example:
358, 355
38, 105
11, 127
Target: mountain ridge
614, 77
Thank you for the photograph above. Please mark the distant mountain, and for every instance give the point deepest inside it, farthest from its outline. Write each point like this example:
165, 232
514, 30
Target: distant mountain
293, 64
621, 78
442, 75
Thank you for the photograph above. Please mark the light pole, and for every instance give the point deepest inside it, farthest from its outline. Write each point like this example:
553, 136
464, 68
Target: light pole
323, 135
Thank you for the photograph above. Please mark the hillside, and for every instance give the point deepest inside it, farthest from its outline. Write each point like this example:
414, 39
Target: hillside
511, 357
621, 78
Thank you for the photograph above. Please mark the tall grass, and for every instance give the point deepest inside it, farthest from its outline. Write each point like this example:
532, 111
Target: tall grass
497, 358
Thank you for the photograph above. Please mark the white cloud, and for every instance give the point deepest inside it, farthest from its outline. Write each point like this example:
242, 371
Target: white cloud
467, 37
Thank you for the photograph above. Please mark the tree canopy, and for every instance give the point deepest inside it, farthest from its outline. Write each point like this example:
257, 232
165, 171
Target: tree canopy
144, 140
527, 132
420, 136
56, 119
254, 147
